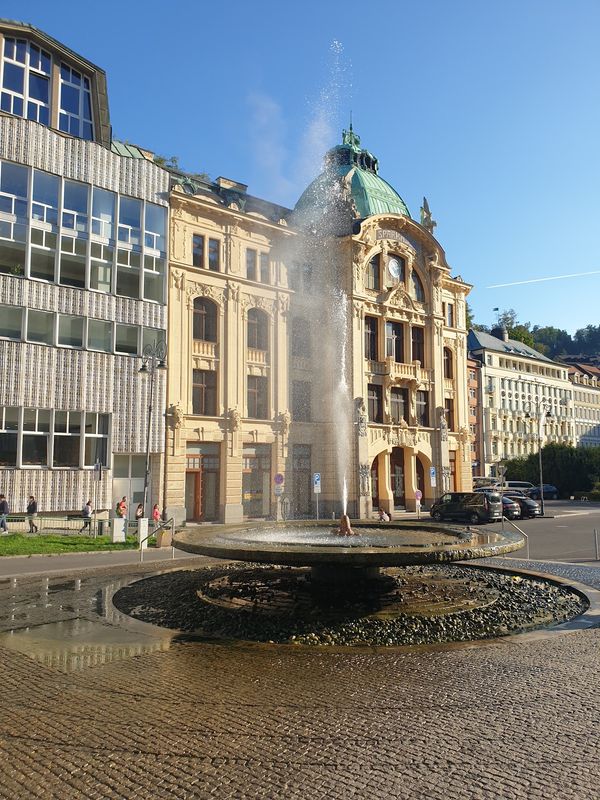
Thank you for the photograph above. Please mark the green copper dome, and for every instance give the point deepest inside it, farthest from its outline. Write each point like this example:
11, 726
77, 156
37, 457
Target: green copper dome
348, 169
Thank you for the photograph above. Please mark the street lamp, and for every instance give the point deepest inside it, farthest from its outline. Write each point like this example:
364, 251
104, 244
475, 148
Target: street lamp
153, 358
542, 412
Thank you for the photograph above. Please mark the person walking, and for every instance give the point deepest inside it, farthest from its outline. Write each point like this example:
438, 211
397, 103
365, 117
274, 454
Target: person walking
32, 512
87, 517
139, 512
3, 513
121, 509
156, 515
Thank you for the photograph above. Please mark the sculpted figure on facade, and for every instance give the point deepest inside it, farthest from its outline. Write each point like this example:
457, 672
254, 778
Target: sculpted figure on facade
176, 416
234, 419
285, 420
365, 476
443, 425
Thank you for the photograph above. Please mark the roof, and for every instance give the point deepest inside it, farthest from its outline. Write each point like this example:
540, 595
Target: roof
480, 340
350, 169
126, 149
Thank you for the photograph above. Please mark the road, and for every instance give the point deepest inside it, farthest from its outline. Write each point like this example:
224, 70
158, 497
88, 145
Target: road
565, 534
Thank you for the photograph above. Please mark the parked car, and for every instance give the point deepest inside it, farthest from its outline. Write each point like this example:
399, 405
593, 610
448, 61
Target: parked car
529, 507
511, 509
550, 492
497, 490
470, 506
523, 486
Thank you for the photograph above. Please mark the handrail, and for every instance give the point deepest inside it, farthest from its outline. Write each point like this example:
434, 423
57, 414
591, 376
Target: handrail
521, 531
169, 523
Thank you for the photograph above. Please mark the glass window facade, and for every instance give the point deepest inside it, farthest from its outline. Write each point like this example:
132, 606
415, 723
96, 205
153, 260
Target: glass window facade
25, 83
75, 103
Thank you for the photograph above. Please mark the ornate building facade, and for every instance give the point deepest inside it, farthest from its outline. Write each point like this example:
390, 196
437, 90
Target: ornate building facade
83, 227
254, 318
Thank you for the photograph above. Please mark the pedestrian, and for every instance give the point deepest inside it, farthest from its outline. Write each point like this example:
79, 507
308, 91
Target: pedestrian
3, 513
87, 517
121, 509
139, 512
383, 515
32, 512
156, 515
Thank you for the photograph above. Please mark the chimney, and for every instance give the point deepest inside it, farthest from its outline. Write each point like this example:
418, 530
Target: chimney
504, 334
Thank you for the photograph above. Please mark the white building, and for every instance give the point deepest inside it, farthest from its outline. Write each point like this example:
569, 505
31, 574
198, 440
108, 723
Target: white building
83, 227
586, 403
524, 394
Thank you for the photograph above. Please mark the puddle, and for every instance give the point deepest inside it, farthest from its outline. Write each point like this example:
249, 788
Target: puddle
73, 645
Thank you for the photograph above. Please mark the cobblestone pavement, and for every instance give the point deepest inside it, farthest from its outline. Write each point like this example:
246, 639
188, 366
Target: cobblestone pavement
80, 717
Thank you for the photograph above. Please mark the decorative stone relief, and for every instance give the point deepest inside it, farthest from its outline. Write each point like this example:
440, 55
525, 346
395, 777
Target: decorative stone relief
365, 474
176, 416
233, 292
178, 278
443, 426
284, 420
284, 304
234, 419
361, 416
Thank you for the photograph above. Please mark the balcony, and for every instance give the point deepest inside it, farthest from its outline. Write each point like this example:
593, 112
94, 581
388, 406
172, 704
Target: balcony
206, 349
398, 371
254, 356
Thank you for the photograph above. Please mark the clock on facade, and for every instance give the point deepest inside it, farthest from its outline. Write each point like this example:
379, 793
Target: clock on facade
394, 268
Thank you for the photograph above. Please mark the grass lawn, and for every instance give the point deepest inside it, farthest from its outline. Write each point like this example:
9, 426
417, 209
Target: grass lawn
15, 544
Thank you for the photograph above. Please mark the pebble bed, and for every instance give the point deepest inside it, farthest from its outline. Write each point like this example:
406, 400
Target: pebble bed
519, 603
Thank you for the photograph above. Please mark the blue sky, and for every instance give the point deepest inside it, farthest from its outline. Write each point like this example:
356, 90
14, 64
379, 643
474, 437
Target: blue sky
490, 109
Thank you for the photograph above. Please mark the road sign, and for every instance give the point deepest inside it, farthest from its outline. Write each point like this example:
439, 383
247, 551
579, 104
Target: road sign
317, 483
418, 495
278, 478
432, 478
278, 491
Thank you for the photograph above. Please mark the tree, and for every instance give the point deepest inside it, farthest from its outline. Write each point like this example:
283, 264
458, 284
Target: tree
552, 341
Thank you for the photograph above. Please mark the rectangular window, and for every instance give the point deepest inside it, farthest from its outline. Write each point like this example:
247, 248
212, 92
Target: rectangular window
75, 115
375, 403
128, 273
214, 255
418, 345
449, 411
301, 401
449, 314
14, 180
204, 393
372, 274
9, 432
251, 265
96, 439
100, 335
72, 262
307, 278
256, 480
36, 429
126, 339
43, 255
75, 206
154, 268
103, 213
257, 397
101, 266
67, 439
26, 81
197, 250
155, 227
265, 271
394, 341
40, 326
130, 220
70, 331
399, 405
44, 207
301, 340
11, 322
422, 408
371, 338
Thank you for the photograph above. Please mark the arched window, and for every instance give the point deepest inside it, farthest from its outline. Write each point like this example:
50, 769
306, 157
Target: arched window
258, 329
372, 274
417, 287
448, 367
205, 320
300, 342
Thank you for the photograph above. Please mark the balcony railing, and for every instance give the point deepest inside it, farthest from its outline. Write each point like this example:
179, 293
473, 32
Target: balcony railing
257, 356
208, 349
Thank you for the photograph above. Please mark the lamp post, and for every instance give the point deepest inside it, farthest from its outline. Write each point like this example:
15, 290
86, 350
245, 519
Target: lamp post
542, 411
153, 359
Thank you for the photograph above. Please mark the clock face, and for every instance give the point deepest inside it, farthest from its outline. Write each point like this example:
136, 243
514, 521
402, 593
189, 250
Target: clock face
394, 268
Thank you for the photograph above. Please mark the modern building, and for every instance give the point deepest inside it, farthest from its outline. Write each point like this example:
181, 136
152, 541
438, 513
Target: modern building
261, 301
527, 398
83, 242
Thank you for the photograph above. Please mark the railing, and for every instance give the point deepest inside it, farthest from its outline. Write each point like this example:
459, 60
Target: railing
169, 523
202, 348
521, 531
64, 524
255, 356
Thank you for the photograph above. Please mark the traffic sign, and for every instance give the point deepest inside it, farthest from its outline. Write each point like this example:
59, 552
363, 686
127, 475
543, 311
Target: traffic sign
278, 478
278, 490
418, 495
432, 477
317, 483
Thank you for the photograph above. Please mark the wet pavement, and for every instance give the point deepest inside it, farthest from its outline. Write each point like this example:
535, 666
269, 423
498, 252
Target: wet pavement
94, 705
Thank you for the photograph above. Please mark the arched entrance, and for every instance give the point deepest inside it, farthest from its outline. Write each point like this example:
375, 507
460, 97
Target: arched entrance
397, 477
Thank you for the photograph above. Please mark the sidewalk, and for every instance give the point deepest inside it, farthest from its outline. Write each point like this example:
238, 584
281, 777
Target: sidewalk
11, 566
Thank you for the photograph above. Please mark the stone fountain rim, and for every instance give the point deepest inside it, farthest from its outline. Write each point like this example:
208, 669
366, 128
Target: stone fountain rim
355, 556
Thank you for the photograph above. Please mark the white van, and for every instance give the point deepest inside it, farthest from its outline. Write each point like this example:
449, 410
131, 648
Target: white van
523, 486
